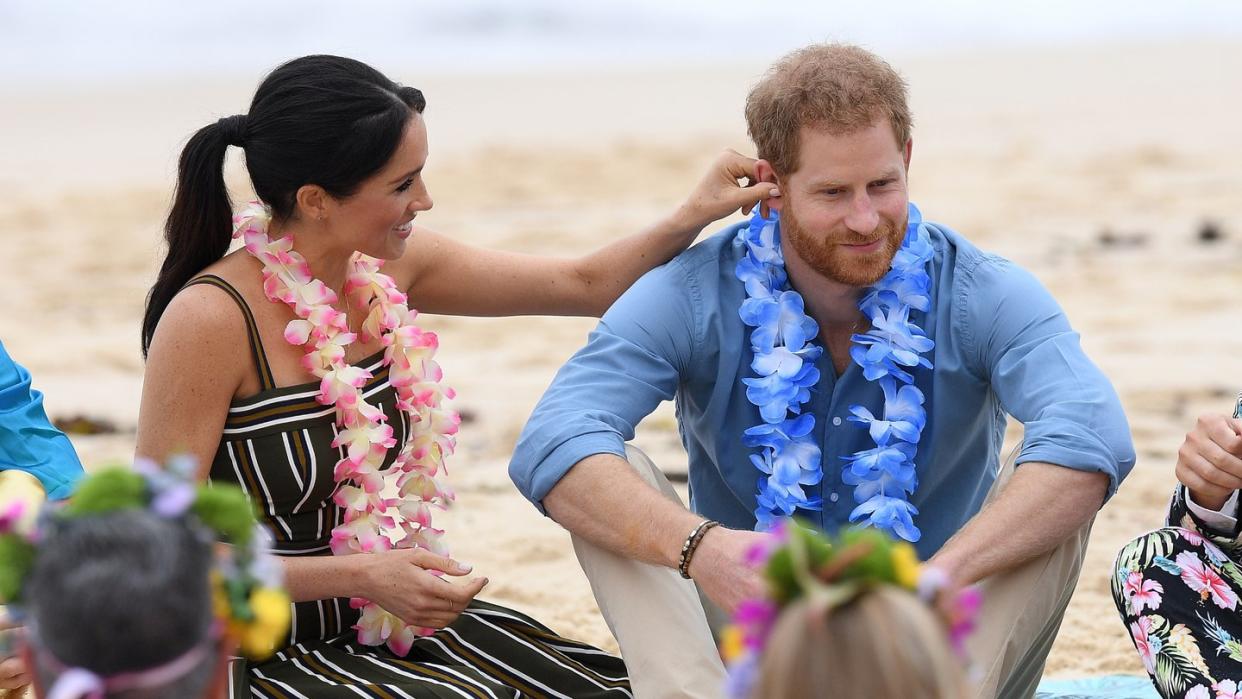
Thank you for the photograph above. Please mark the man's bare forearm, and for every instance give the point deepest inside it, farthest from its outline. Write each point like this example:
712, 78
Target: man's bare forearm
1041, 506
603, 500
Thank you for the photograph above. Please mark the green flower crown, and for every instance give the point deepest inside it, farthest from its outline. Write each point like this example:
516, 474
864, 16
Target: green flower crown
247, 592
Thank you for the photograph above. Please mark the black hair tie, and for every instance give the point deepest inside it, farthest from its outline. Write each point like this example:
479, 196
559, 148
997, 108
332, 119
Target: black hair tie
233, 128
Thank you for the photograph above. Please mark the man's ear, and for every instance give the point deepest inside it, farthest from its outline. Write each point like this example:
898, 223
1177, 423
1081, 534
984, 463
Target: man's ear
765, 173
905, 156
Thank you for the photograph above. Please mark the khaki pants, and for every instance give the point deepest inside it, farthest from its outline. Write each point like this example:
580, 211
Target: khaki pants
665, 628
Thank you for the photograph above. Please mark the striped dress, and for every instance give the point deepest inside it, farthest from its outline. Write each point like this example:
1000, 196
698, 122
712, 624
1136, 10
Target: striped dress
277, 445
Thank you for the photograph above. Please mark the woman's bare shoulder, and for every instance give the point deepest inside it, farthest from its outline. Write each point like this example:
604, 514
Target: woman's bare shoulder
204, 324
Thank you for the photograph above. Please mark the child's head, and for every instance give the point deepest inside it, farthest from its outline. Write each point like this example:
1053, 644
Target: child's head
842, 617
886, 642
127, 592
140, 585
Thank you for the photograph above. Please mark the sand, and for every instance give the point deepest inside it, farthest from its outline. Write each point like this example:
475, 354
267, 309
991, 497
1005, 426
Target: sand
1095, 167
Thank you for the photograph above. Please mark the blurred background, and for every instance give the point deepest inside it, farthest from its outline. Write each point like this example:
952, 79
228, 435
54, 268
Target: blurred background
1097, 144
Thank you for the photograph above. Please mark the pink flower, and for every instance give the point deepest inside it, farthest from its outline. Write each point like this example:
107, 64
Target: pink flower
413, 484
340, 386
1205, 581
1192, 537
381, 319
402, 639
1142, 641
365, 473
1226, 689
357, 499
1142, 592
415, 512
427, 538
374, 624
362, 535
755, 617
11, 515
964, 617
1198, 692
369, 439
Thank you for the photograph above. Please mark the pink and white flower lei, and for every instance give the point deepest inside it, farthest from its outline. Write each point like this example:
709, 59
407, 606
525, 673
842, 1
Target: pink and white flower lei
409, 353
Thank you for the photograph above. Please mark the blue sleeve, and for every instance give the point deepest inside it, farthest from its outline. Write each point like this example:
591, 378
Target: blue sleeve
28, 441
1023, 345
633, 360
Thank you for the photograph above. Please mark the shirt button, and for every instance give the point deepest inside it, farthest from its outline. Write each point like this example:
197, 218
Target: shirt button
833, 497
836, 421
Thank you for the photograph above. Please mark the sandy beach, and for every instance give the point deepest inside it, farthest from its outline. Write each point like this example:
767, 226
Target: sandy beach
1098, 168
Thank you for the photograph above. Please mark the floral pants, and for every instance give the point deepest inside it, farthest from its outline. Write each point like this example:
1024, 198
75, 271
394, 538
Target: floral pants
1178, 590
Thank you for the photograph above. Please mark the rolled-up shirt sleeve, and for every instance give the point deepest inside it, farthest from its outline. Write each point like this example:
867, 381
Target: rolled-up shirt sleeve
28, 441
1024, 346
633, 360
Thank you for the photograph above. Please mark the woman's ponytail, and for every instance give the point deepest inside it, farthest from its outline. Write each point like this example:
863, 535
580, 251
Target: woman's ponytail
200, 224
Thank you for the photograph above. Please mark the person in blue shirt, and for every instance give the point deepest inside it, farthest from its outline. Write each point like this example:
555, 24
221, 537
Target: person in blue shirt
832, 130
28, 441
36, 461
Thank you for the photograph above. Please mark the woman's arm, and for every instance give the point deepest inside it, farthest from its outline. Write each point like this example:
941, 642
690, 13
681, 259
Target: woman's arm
450, 277
196, 361
397, 580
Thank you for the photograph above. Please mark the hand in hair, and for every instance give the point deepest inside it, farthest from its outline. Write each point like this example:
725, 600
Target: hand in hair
401, 582
720, 193
1209, 462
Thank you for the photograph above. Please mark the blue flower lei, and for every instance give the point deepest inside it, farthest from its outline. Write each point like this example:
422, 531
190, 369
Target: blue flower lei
784, 363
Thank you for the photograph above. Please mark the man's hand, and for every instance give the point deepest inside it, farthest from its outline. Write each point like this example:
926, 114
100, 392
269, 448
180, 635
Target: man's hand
719, 567
1209, 462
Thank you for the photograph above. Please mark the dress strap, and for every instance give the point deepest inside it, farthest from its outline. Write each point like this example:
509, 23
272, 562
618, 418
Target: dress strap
252, 328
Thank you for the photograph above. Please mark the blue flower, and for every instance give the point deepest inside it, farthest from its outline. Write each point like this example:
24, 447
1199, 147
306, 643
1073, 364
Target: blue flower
761, 280
892, 515
868, 463
904, 417
777, 435
777, 396
779, 321
896, 482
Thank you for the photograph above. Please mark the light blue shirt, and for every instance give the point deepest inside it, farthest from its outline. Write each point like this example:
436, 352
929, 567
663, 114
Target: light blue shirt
1003, 346
28, 441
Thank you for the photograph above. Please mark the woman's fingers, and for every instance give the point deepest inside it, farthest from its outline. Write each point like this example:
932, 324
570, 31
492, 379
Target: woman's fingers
430, 561
460, 596
1208, 475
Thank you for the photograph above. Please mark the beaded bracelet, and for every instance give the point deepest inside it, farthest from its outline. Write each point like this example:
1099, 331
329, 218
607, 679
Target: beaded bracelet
691, 544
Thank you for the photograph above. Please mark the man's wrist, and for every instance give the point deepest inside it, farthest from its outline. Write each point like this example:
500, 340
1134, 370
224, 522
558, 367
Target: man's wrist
691, 546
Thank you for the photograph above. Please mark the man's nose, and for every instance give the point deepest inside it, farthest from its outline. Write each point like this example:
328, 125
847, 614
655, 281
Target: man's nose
862, 217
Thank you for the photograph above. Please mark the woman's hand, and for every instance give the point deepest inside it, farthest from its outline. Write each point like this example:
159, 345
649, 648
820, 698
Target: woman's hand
400, 582
720, 193
1209, 463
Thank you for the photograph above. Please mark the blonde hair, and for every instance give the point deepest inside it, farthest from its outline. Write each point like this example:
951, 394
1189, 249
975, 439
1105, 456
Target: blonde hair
836, 87
885, 643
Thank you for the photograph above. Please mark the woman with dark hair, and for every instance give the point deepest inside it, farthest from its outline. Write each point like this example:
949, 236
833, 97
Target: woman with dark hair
254, 368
